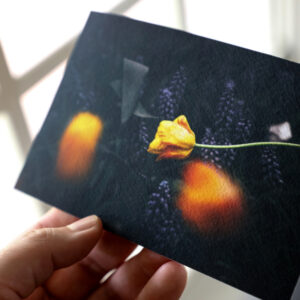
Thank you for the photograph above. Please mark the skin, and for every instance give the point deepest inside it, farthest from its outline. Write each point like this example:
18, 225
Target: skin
54, 260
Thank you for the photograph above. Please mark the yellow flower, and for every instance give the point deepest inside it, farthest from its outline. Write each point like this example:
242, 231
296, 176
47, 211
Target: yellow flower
173, 139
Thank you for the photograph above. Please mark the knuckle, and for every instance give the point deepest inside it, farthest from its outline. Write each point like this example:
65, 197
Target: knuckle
40, 235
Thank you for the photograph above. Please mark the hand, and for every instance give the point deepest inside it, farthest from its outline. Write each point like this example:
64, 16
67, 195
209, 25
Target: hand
60, 259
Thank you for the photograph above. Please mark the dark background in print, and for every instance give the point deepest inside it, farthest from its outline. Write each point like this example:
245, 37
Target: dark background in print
229, 95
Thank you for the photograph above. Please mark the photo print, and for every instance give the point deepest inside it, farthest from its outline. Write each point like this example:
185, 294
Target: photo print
185, 145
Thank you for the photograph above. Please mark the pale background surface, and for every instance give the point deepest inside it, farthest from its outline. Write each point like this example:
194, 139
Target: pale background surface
35, 40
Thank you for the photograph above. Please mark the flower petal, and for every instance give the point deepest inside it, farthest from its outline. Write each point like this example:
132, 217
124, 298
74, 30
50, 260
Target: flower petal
173, 139
182, 121
155, 146
174, 153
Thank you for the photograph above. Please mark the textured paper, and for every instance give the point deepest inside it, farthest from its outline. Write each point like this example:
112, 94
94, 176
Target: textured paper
233, 214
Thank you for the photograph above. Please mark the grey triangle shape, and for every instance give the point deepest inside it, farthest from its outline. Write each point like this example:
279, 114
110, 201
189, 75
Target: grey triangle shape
117, 87
133, 77
141, 112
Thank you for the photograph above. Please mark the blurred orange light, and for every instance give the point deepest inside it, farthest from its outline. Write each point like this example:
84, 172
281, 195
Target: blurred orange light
78, 144
209, 199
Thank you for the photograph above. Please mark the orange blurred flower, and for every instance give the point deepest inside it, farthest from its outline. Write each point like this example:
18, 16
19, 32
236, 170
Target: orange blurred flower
78, 144
173, 139
209, 199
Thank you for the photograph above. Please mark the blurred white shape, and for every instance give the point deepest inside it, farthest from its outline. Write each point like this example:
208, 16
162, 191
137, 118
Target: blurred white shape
31, 30
296, 293
285, 24
201, 286
163, 12
37, 100
243, 23
17, 210
282, 131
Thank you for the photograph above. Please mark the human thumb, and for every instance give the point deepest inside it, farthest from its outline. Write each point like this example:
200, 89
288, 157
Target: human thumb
30, 260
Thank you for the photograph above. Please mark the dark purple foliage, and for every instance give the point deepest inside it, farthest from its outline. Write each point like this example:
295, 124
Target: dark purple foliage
162, 213
210, 155
271, 167
171, 95
233, 120
244, 129
226, 109
138, 144
224, 126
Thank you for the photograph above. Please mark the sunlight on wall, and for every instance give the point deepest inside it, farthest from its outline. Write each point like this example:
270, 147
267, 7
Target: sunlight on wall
31, 30
241, 23
37, 100
17, 210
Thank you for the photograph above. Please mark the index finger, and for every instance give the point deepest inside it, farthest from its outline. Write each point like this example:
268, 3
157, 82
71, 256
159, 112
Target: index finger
81, 278
54, 218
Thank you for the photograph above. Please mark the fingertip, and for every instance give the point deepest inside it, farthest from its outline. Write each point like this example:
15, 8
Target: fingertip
99, 224
90, 222
175, 271
88, 229
81, 236
97, 228
54, 217
31, 259
168, 282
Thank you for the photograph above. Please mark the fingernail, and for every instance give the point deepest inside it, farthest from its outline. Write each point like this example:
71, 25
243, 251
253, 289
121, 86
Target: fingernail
84, 223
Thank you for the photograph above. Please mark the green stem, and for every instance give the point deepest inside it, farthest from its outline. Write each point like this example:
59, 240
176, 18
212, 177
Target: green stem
247, 145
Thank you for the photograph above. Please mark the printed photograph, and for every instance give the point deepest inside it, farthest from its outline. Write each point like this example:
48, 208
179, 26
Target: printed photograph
185, 145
